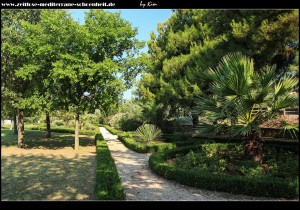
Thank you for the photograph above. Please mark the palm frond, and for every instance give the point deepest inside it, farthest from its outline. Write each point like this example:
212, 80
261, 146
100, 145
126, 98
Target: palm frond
285, 85
240, 129
148, 133
293, 129
267, 77
285, 102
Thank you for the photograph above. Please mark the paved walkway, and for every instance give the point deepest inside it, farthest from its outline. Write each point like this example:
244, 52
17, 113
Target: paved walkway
141, 184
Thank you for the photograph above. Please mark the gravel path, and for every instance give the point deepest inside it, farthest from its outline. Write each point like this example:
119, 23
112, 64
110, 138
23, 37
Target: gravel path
141, 184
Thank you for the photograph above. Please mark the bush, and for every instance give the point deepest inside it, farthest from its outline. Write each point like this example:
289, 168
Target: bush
62, 130
148, 132
132, 144
178, 136
89, 126
58, 122
115, 119
108, 183
89, 118
129, 124
262, 186
127, 139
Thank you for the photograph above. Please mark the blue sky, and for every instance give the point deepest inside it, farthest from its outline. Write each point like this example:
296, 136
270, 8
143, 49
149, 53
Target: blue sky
145, 20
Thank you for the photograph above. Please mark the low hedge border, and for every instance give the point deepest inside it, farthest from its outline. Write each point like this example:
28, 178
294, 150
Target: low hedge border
108, 183
131, 143
62, 130
275, 187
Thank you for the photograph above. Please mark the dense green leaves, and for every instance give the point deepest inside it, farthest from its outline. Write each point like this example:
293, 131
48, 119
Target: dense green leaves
242, 99
52, 62
192, 41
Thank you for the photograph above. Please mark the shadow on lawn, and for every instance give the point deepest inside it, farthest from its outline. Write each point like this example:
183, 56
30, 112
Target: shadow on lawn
37, 140
41, 177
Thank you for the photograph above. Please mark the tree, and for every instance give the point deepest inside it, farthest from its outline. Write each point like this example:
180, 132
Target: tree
16, 85
242, 99
191, 41
87, 73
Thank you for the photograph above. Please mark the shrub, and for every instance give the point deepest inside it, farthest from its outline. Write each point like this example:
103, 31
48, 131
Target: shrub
58, 122
62, 130
89, 118
88, 126
129, 124
108, 183
148, 132
115, 119
127, 139
262, 186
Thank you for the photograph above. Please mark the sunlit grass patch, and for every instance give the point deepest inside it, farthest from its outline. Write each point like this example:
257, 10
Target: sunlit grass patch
37, 139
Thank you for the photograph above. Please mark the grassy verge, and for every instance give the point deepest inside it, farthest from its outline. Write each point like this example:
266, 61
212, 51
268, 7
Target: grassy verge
256, 186
108, 183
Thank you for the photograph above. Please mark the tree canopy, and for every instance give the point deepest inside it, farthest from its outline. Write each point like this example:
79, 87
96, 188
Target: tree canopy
59, 64
191, 41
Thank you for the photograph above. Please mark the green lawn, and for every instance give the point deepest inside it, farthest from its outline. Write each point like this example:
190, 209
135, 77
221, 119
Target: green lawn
48, 169
36, 139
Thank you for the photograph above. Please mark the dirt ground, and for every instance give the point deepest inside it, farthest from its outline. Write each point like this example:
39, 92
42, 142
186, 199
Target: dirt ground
47, 174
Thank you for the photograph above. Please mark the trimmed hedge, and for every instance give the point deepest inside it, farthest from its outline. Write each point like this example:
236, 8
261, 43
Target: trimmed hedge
269, 187
131, 143
61, 130
288, 144
108, 182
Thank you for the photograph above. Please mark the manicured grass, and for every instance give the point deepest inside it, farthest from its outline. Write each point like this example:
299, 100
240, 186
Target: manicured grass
49, 169
36, 139
108, 182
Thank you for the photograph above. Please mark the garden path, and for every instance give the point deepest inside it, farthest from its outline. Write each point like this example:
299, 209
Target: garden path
141, 184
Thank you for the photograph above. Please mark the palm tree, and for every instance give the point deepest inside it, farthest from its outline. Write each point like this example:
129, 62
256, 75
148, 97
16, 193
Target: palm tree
242, 99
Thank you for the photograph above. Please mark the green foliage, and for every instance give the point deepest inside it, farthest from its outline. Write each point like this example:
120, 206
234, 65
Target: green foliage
265, 186
62, 130
137, 146
89, 126
191, 41
58, 123
89, 118
291, 128
129, 116
114, 120
228, 158
129, 124
148, 132
108, 183
130, 142
53, 62
241, 98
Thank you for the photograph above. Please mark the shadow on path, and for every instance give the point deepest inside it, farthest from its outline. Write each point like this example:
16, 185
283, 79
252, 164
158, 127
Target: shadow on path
141, 184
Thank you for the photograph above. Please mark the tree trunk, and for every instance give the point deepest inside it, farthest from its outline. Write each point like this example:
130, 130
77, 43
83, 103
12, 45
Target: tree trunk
195, 120
15, 123
76, 131
21, 135
195, 117
48, 134
253, 147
